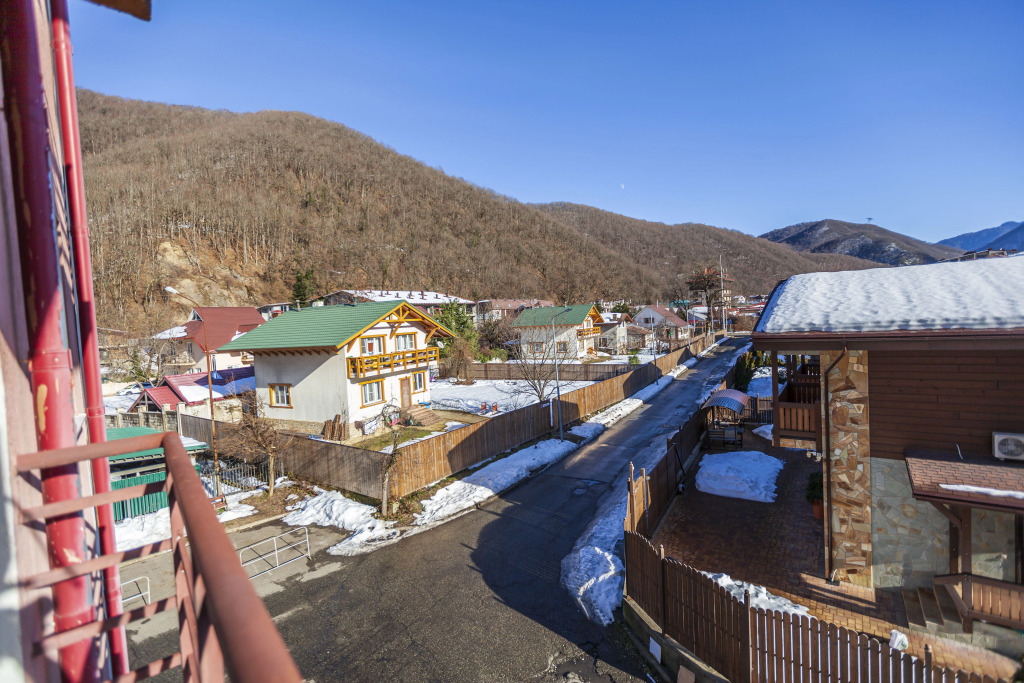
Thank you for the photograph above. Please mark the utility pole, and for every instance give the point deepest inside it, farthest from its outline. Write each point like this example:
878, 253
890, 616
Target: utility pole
721, 275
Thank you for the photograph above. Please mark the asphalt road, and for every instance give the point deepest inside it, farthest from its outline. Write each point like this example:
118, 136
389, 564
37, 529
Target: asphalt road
478, 598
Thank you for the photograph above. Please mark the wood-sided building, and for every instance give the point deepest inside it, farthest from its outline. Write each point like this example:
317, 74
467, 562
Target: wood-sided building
906, 374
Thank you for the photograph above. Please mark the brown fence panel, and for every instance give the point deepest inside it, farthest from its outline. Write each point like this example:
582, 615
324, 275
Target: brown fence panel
644, 583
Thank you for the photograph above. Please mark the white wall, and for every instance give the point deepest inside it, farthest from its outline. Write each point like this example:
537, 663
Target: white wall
563, 333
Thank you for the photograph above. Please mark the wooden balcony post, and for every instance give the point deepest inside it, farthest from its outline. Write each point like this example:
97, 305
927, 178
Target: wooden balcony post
775, 398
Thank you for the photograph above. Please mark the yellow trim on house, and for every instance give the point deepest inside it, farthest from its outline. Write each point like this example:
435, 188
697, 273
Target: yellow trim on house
270, 388
427, 320
414, 376
372, 381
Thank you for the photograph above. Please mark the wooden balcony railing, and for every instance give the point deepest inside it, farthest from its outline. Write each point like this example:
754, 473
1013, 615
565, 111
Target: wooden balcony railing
799, 421
979, 598
222, 622
363, 366
585, 332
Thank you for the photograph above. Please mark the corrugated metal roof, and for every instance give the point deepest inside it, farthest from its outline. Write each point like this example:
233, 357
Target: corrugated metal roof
535, 317
731, 399
319, 326
114, 433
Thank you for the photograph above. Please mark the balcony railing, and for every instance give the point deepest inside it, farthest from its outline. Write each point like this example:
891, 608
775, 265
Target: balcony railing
984, 599
585, 332
222, 622
364, 366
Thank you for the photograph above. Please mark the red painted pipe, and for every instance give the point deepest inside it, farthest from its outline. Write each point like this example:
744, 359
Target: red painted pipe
71, 142
49, 362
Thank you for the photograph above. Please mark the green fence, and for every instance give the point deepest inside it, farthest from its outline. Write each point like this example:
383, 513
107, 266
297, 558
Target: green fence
143, 504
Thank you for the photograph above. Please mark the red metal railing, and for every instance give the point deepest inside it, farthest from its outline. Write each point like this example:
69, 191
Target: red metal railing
222, 622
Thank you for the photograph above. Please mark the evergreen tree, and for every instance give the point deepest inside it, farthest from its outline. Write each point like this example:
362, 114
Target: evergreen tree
303, 289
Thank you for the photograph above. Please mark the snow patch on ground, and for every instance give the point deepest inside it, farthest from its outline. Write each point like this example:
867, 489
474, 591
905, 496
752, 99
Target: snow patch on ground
593, 572
133, 532
759, 595
491, 480
711, 386
1000, 493
749, 475
509, 394
330, 508
761, 384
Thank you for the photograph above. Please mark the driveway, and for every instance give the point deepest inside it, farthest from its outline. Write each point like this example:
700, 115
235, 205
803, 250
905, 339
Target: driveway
478, 598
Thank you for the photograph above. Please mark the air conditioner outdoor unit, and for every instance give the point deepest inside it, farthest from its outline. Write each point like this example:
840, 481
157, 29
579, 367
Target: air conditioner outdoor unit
1006, 446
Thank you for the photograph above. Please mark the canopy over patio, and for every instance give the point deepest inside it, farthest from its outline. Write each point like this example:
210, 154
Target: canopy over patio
730, 399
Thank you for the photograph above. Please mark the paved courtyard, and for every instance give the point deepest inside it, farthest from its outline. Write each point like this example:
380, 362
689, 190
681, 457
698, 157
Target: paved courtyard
781, 546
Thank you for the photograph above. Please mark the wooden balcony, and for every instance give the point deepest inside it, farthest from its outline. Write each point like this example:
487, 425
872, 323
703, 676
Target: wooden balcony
798, 413
366, 366
585, 332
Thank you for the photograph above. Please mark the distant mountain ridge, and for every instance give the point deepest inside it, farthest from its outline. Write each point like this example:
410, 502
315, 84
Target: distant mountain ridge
862, 240
989, 238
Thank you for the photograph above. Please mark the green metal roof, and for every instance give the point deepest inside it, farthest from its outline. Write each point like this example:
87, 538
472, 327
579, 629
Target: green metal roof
535, 317
318, 327
115, 433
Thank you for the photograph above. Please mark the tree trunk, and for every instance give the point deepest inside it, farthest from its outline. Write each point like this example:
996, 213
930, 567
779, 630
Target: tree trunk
270, 472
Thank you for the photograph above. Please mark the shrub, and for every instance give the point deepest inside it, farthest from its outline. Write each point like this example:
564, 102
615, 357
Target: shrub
815, 488
633, 358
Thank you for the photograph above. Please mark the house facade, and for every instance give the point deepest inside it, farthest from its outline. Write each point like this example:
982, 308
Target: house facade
505, 309
901, 379
190, 393
573, 334
614, 337
184, 347
666, 325
350, 360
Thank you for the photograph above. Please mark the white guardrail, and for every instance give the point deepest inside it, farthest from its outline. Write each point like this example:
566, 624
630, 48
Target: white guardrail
144, 594
272, 555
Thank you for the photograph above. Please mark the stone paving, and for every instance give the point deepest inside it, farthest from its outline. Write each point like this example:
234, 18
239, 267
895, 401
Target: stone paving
781, 546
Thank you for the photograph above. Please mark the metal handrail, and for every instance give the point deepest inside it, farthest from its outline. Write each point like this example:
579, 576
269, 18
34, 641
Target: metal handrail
220, 617
277, 551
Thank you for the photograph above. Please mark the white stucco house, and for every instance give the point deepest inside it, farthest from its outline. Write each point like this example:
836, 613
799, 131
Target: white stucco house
667, 325
614, 333
573, 336
347, 360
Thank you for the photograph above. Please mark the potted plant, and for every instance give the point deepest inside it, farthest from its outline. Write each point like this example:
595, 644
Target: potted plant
816, 494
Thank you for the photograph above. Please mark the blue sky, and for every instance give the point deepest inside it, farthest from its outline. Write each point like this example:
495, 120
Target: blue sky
745, 115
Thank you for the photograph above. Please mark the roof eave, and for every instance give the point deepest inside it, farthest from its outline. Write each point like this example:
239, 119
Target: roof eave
1009, 339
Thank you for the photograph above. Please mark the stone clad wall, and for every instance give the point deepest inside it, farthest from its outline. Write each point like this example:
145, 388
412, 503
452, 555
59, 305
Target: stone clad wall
849, 443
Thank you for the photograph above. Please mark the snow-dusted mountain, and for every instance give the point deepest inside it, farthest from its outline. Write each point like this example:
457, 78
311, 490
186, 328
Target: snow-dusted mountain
989, 237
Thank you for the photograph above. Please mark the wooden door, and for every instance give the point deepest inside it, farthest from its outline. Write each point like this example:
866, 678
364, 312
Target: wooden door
406, 393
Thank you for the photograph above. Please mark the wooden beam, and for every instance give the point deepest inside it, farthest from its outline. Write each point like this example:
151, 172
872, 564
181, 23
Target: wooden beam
949, 513
966, 551
775, 400
954, 547
1018, 548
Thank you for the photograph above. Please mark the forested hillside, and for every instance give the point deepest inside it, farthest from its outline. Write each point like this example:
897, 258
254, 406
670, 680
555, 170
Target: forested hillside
226, 207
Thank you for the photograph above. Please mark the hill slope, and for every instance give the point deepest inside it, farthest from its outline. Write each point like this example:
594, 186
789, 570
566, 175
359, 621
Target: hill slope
862, 240
1014, 239
980, 239
226, 207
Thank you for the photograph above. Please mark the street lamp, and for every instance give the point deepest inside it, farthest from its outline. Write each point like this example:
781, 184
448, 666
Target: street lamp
209, 383
558, 387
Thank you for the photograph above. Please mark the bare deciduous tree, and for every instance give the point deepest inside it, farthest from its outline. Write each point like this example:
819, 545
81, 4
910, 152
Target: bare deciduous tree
256, 435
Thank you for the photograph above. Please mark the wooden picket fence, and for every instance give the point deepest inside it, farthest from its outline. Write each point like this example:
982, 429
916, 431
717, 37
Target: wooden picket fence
744, 643
426, 462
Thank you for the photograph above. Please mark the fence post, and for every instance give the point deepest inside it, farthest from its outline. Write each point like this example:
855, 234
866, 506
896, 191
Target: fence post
119, 419
629, 500
927, 663
748, 638
664, 599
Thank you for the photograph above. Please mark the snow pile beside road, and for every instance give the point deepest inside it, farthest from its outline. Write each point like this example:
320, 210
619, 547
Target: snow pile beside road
491, 480
588, 430
610, 416
593, 572
711, 386
759, 595
330, 508
749, 475
154, 527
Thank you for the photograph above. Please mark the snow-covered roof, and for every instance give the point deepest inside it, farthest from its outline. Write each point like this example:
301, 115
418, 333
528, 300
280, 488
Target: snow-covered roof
173, 333
414, 297
971, 295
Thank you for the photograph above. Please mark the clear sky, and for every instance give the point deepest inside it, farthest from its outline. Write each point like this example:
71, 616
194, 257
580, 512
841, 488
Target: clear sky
746, 115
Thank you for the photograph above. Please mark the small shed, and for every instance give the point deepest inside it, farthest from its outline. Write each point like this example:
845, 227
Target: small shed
141, 467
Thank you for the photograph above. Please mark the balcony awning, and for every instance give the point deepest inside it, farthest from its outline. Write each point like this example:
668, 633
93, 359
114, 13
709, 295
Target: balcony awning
731, 399
979, 481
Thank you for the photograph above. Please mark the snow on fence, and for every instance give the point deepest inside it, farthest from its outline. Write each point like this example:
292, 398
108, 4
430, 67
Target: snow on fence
747, 643
741, 641
425, 462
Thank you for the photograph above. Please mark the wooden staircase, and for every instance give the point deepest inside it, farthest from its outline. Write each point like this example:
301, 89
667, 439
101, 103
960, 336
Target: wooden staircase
423, 415
930, 609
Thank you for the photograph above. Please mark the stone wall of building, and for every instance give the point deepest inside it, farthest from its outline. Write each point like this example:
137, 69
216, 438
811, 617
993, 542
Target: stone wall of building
909, 538
849, 444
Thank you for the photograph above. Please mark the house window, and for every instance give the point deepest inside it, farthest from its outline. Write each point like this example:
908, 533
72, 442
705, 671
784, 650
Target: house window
405, 342
563, 347
371, 346
648, 320
419, 382
281, 395
536, 347
373, 392
188, 348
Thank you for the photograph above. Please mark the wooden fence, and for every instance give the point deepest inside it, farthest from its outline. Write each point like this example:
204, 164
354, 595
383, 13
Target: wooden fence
586, 372
742, 642
426, 462
745, 643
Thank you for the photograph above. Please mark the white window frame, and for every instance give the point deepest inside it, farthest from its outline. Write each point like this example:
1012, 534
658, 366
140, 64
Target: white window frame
380, 392
402, 339
421, 378
274, 389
